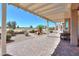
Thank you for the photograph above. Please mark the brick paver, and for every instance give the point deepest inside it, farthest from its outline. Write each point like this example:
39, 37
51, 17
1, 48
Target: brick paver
65, 49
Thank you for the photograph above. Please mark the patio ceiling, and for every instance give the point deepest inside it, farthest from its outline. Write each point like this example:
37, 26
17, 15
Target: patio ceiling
50, 11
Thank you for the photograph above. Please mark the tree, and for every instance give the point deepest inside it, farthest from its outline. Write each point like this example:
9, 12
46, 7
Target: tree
40, 27
11, 24
18, 26
31, 26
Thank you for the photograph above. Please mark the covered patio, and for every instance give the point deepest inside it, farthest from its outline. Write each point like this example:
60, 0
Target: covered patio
53, 12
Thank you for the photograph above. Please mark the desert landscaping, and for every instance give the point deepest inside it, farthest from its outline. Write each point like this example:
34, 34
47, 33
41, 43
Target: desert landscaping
33, 44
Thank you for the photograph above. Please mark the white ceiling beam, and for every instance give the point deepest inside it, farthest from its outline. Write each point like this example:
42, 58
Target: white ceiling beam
49, 7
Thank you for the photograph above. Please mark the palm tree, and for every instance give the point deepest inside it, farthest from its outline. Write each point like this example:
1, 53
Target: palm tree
40, 27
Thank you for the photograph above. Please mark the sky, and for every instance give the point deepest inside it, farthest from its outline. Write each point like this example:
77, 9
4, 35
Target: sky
23, 18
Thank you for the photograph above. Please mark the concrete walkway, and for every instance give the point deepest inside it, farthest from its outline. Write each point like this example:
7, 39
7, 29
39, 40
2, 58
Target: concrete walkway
33, 45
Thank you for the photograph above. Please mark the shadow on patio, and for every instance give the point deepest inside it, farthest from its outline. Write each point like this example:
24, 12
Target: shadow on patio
65, 49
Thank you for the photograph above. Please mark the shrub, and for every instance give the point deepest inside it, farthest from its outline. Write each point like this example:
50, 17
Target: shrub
32, 31
8, 37
11, 31
51, 31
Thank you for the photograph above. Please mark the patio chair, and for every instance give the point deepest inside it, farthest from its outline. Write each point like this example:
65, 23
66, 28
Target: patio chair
65, 35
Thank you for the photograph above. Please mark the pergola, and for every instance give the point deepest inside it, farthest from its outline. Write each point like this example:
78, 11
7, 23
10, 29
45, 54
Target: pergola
54, 12
57, 12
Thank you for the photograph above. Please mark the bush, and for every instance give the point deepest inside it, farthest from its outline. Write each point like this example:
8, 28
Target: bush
32, 31
8, 37
51, 31
11, 32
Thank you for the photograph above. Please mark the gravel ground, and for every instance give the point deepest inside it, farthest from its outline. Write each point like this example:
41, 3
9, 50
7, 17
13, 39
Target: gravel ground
33, 45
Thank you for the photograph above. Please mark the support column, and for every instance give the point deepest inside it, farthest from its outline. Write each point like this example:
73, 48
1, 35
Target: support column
59, 28
3, 32
69, 25
47, 28
74, 27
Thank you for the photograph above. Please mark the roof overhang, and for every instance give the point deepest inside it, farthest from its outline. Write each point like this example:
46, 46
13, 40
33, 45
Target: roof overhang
51, 11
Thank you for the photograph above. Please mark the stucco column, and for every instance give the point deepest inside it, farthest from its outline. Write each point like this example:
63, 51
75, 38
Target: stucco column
69, 25
47, 28
3, 32
59, 28
74, 27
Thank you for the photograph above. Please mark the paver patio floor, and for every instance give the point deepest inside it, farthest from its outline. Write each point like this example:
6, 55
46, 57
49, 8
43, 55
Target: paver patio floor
34, 45
65, 49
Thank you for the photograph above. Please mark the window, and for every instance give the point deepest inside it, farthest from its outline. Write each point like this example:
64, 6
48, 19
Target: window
66, 24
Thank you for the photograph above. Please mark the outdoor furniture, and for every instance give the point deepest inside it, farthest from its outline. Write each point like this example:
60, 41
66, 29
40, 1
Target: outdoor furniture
65, 35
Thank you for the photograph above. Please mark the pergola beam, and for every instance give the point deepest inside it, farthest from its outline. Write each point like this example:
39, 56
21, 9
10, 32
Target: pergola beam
52, 9
41, 6
19, 6
46, 8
